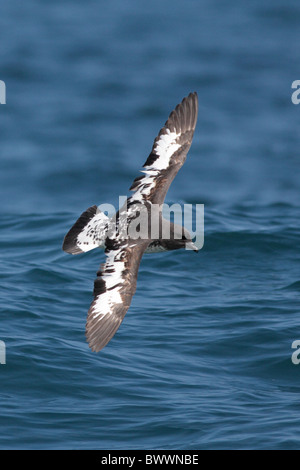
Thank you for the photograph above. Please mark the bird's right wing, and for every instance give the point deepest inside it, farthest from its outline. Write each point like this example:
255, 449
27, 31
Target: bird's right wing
113, 290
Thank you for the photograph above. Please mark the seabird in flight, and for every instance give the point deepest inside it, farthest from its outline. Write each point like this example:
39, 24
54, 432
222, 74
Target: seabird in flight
116, 280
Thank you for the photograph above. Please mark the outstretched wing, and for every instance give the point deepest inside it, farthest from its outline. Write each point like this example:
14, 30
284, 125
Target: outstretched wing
168, 153
113, 290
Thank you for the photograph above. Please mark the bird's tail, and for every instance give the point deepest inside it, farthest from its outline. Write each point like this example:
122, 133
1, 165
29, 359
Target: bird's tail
88, 232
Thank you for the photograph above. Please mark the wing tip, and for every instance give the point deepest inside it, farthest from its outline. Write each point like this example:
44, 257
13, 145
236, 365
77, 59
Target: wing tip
182, 119
100, 330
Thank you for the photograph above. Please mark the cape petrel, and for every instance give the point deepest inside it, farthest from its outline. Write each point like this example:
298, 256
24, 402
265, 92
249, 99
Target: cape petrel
116, 281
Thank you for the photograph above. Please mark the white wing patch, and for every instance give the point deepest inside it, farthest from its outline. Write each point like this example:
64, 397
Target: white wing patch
165, 147
112, 277
168, 153
113, 290
146, 184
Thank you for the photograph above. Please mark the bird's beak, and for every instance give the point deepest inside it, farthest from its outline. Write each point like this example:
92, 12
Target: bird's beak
191, 246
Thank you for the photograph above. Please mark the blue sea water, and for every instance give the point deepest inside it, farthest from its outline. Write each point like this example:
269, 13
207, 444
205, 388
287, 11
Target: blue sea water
203, 357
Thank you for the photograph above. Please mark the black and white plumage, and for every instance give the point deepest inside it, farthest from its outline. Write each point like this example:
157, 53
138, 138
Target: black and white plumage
87, 233
116, 281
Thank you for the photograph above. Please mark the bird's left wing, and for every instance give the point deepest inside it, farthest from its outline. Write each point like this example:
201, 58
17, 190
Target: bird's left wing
168, 153
113, 290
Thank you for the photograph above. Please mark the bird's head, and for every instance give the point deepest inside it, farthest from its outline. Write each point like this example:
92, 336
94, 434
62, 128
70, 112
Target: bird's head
181, 237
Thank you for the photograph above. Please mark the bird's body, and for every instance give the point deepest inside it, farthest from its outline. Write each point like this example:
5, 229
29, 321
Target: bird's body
132, 231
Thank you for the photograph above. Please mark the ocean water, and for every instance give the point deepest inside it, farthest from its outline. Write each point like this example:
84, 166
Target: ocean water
203, 359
